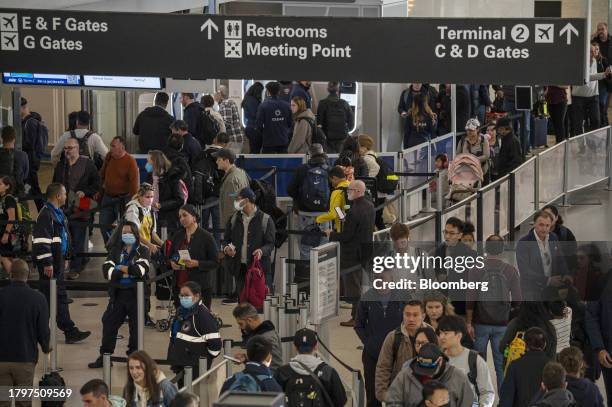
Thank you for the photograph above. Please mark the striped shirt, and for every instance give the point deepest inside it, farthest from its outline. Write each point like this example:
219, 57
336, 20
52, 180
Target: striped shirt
563, 327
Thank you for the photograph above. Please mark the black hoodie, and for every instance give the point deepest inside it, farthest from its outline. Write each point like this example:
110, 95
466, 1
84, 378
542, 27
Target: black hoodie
152, 126
266, 329
585, 392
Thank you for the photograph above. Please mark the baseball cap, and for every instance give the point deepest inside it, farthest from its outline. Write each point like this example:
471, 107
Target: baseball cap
305, 340
225, 154
246, 193
472, 124
427, 362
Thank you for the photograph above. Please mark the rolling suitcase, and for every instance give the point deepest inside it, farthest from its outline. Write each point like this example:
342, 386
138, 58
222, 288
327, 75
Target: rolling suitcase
52, 380
540, 131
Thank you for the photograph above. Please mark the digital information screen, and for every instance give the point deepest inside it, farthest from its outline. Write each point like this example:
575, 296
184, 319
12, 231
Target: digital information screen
13, 78
135, 82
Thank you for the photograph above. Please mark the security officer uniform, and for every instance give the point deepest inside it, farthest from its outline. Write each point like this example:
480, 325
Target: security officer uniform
122, 291
194, 333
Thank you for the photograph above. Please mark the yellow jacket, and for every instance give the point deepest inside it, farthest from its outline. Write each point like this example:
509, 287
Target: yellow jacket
336, 200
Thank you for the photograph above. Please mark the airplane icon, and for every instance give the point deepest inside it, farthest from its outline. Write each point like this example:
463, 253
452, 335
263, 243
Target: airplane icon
545, 33
10, 41
9, 23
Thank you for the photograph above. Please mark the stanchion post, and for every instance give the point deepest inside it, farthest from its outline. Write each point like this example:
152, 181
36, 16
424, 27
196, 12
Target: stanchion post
266, 308
53, 322
293, 291
291, 238
610, 158
303, 321
402, 206
284, 271
140, 300
441, 175
479, 223
203, 368
564, 202
536, 177
323, 334
188, 378
282, 331
439, 226
164, 233
227, 350
106, 368
511, 207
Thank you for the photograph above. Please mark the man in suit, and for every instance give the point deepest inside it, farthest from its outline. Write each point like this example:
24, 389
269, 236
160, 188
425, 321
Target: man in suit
540, 259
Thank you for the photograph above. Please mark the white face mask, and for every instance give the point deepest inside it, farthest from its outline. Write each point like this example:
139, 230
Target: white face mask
238, 205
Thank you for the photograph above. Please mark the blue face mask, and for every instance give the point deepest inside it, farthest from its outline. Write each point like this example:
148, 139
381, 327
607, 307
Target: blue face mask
149, 167
128, 238
186, 302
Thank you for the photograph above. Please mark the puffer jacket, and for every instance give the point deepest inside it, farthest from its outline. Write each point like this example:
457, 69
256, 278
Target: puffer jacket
302, 133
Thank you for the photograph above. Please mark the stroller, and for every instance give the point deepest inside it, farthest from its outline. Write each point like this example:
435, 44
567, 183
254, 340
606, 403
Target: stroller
465, 175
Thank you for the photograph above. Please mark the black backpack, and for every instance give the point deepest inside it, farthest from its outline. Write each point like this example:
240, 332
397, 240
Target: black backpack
7, 162
494, 304
314, 191
206, 178
318, 136
386, 180
335, 119
210, 128
265, 199
308, 390
85, 150
473, 372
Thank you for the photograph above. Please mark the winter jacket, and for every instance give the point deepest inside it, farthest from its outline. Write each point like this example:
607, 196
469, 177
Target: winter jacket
135, 213
192, 114
89, 179
370, 160
405, 101
419, 132
32, 144
257, 238
302, 92
388, 368
557, 398
203, 248
357, 234
584, 391
295, 185
194, 333
406, 389
47, 241
24, 323
191, 148
598, 319
522, 380
510, 155
336, 200
138, 264
233, 181
249, 109
323, 111
167, 390
302, 133
267, 331
152, 126
274, 122
329, 379
256, 370
376, 316
513, 328
171, 197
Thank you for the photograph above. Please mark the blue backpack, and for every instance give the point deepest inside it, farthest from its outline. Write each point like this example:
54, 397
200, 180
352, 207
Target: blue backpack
247, 383
314, 193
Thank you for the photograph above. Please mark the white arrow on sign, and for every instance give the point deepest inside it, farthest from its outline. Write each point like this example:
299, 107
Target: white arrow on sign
568, 29
210, 26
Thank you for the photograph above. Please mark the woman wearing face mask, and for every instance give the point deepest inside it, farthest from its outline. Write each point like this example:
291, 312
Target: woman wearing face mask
147, 386
138, 211
194, 331
194, 253
126, 264
166, 180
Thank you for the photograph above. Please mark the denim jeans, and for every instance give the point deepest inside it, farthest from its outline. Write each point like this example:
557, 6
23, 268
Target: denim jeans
603, 106
111, 210
494, 334
213, 213
78, 232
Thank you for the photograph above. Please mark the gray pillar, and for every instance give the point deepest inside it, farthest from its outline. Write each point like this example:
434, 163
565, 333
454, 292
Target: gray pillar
140, 300
106, 369
53, 322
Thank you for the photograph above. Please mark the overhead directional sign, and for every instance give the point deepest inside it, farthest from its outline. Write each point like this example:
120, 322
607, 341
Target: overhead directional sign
188, 46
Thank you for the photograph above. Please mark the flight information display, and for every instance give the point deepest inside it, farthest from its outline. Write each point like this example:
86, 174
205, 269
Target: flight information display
14, 78
132, 82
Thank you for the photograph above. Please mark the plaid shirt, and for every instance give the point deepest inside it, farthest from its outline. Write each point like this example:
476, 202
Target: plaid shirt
229, 111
